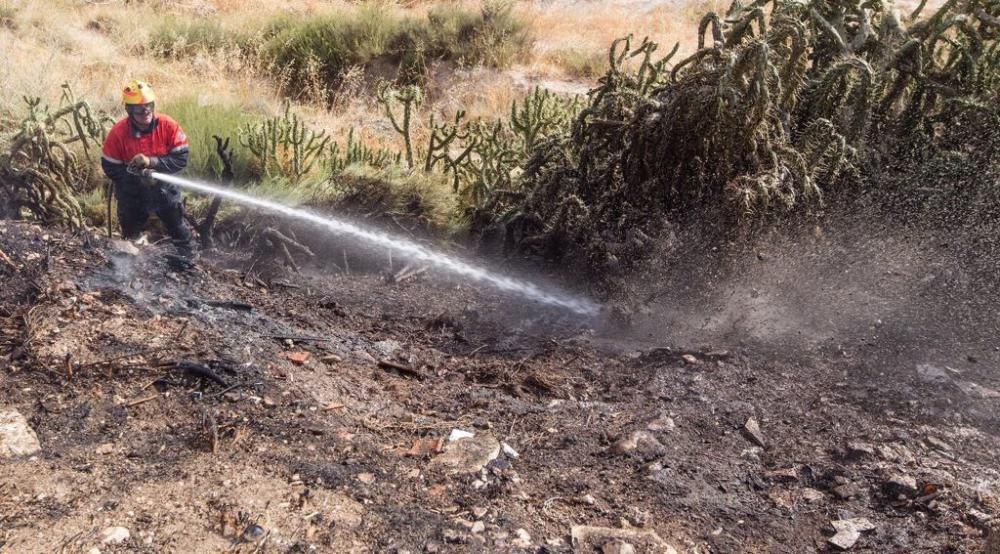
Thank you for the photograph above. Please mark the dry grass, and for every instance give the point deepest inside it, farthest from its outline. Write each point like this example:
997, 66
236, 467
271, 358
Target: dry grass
96, 47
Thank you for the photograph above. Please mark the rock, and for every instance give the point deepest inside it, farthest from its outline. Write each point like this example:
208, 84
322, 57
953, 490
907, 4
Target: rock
617, 547
860, 450
977, 390
688, 358
478, 527
901, 484
253, 533
365, 357
17, 438
105, 448
790, 475
846, 491
845, 539
638, 440
848, 531
366, 478
588, 499
661, 424
587, 538
980, 520
123, 248
751, 430
458, 434
454, 537
298, 358
523, 539
114, 535
268, 402
938, 444
386, 348
928, 373
468, 455
509, 451
811, 495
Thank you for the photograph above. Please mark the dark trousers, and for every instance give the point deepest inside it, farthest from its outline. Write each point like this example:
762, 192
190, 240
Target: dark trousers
136, 203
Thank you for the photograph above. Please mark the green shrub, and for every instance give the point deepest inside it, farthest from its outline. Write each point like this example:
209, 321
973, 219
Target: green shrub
580, 64
322, 49
200, 121
176, 37
329, 45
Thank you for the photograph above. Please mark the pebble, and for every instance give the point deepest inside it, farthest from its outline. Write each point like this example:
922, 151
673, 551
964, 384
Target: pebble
253, 533
17, 438
751, 430
811, 495
114, 535
846, 492
901, 484
523, 539
618, 547
859, 450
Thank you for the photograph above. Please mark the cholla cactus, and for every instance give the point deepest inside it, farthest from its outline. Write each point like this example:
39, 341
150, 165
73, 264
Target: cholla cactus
284, 145
39, 168
778, 103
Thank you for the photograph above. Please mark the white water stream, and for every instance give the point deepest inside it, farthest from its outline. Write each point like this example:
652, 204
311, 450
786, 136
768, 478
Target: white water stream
406, 248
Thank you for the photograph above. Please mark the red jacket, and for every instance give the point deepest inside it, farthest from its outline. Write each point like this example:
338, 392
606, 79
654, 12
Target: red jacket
164, 140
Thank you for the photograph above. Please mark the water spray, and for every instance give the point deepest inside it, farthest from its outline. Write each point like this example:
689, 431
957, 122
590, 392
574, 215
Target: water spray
400, 245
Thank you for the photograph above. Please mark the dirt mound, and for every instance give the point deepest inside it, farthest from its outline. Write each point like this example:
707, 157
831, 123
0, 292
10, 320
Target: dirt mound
220, 410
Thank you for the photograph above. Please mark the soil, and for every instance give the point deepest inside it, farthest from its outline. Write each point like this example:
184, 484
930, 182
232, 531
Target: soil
730, 418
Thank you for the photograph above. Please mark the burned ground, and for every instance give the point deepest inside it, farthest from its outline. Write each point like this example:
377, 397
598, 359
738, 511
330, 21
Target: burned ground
641, 435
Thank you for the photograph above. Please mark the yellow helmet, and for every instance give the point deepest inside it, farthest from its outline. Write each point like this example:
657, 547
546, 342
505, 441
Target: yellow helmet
138, 92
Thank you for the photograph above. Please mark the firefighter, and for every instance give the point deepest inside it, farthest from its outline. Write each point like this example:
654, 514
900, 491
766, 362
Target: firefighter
146, 140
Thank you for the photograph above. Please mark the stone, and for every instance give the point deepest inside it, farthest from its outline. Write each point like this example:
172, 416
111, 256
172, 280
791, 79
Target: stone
848, 531
846, 491
980, 520
586, 538
105, 448
523, 539
637, 440
845, 539
860, 450
928, 373
298, 358
366, 478
386, 348
114, 535
17, 438
789, 475
811, 495
469, 455
938, 444
123, 248
901, 484
751, 430
661, 424
478, 527
617, 547
509, 451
